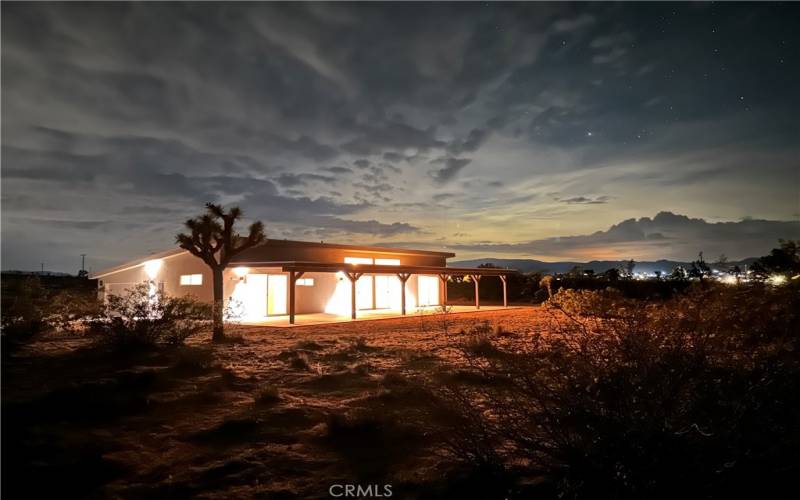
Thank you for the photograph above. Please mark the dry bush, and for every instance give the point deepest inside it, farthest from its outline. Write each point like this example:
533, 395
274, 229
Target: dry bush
144, 318
698, 396
31, 309
268, 395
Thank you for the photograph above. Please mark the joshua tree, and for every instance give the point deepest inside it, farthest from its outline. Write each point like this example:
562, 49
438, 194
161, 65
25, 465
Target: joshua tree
213, 239
629, 267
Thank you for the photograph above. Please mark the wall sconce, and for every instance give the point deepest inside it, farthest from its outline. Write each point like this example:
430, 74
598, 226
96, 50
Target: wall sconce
151, 268
241, 273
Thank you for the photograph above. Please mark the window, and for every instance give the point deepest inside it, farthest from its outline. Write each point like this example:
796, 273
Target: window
305, 282
191, 279
357, 260
387, 262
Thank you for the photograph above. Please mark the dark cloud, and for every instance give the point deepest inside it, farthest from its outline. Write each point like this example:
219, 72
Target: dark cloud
338, 170
288, 179
452, 166
585, 200
470, 144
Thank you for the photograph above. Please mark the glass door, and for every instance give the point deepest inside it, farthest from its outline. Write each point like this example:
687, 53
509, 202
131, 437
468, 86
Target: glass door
277, 289
387, 292
428, 287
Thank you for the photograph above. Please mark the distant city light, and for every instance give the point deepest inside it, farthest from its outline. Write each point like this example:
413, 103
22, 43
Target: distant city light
776, 279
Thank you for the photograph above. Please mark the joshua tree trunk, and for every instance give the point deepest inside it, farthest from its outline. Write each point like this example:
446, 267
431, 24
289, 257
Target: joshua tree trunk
213, 239
219, 305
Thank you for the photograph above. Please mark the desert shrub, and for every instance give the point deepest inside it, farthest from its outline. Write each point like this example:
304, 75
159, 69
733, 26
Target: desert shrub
143, 317
359, 344
68, 310
698, 395
26, 315
478, 339
300, 361
268, 395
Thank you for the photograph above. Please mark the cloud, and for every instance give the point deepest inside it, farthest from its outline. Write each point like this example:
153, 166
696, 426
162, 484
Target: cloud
470, 144
573, 24
288, 180
266, 105
584, 200
452, 166
666, 235
338, 170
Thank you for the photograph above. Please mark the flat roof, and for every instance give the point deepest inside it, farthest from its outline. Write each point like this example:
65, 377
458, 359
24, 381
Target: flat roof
357, 248
387, 269
244, 259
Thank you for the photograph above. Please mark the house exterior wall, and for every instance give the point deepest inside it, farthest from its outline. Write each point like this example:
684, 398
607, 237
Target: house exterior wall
330, 292
167, 277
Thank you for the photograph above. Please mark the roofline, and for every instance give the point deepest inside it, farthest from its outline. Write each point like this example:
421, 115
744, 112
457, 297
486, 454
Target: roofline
138, 262
306, 266
356, 248
360, 248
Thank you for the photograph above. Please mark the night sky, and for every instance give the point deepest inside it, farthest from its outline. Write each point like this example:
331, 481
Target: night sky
551, 131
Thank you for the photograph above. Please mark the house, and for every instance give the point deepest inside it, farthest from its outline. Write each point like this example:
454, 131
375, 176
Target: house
288, 278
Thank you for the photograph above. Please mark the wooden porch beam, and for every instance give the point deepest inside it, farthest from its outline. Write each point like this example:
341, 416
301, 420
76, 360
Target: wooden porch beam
444, 277
403, 278
476, 278
353, 277
293, 277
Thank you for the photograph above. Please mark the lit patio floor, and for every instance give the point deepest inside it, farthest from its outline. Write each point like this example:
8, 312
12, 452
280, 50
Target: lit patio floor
364, 315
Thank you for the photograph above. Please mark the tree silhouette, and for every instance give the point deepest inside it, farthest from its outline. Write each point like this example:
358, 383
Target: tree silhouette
212, 238
699, 268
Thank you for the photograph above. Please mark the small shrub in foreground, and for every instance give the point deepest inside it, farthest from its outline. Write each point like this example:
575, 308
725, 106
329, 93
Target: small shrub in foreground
268, 395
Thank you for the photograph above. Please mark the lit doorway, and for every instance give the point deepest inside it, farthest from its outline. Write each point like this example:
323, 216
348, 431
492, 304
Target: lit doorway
364, 293
387, 292
277, 288
428, 287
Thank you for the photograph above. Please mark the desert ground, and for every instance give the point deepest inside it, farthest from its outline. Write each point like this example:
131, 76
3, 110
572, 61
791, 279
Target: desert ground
277, 413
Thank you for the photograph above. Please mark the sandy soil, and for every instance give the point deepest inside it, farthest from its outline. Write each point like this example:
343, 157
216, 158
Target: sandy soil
268, 416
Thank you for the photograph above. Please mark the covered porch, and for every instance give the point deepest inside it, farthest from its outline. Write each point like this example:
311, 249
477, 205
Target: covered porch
372, 315
296, 270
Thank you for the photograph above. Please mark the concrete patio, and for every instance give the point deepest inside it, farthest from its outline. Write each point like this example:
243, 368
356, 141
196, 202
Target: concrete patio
366, 315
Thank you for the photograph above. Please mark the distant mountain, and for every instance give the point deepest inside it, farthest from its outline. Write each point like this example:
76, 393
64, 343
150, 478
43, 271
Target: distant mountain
598, 266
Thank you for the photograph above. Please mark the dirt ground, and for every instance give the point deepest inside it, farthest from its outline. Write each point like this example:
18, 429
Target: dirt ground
279, 413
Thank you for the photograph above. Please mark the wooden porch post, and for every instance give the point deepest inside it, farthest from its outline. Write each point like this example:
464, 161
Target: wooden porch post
504, 279
403, 278
477, 278
443, 277
293, 277
353, 277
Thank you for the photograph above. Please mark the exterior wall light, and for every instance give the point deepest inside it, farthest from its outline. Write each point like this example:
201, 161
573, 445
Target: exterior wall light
241, 272
151, 268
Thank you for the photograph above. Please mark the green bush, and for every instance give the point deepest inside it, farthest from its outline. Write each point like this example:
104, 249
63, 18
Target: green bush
143, 317
696, 396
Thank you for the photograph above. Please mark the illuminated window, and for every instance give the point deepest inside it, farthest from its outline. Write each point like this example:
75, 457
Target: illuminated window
191, 279
387, 262
357, 260
305, 282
